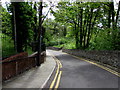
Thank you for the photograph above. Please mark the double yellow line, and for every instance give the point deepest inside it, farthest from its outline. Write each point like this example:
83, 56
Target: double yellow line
56, 80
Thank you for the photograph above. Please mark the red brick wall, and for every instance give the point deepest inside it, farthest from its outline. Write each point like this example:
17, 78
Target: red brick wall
17, 56
8, 70
19, 63
15, 65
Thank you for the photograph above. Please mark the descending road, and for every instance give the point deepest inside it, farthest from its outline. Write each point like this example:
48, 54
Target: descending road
77, 73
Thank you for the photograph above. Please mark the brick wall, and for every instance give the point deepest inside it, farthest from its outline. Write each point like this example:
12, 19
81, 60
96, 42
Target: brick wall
19, 63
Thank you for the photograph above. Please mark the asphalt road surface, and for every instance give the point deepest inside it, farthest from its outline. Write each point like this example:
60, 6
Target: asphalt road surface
77, 73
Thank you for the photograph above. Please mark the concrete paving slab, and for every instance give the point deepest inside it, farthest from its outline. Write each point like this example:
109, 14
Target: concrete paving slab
34, 78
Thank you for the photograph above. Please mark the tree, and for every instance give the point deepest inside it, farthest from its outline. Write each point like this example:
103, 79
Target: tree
82, 20
35, 20
88, 19
6, 22
23, 21
39, 33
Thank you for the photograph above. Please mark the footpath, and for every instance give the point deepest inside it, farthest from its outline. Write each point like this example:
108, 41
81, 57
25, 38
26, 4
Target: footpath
34, 78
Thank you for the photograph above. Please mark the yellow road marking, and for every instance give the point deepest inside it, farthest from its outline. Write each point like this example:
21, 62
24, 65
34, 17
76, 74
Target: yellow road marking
57, 75
58, 61
60, 64
53, 82
58, 81
105, 68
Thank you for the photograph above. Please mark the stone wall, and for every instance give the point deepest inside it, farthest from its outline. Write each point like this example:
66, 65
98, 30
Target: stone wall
106, 57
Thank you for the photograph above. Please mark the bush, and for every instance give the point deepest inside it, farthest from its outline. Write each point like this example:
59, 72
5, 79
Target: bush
103, 41
67, 43
7, 46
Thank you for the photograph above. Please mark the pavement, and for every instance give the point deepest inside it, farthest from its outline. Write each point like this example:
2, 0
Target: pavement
34, 78
77, 73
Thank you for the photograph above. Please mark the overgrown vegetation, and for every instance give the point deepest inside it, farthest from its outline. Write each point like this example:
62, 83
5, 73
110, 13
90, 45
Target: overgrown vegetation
17, 28
7, 46
87, 25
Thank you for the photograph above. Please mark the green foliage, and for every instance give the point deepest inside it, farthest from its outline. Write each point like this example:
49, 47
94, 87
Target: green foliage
56, 41
24, 26
69, 43
6, 22
116, 39
7, 46
55, 32
29, 50
91, 24
102, 41
24, 23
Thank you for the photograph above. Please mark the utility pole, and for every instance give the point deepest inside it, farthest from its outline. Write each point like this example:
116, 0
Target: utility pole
39, 34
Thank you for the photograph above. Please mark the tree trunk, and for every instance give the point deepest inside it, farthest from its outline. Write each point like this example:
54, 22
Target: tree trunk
14, 30
81, 32
89, 29
17, 28
35, 20
118, 11
39, 34
76, 36
113, 15
85, 27
64, 31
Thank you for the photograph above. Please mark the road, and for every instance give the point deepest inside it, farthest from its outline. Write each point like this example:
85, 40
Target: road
77, 73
